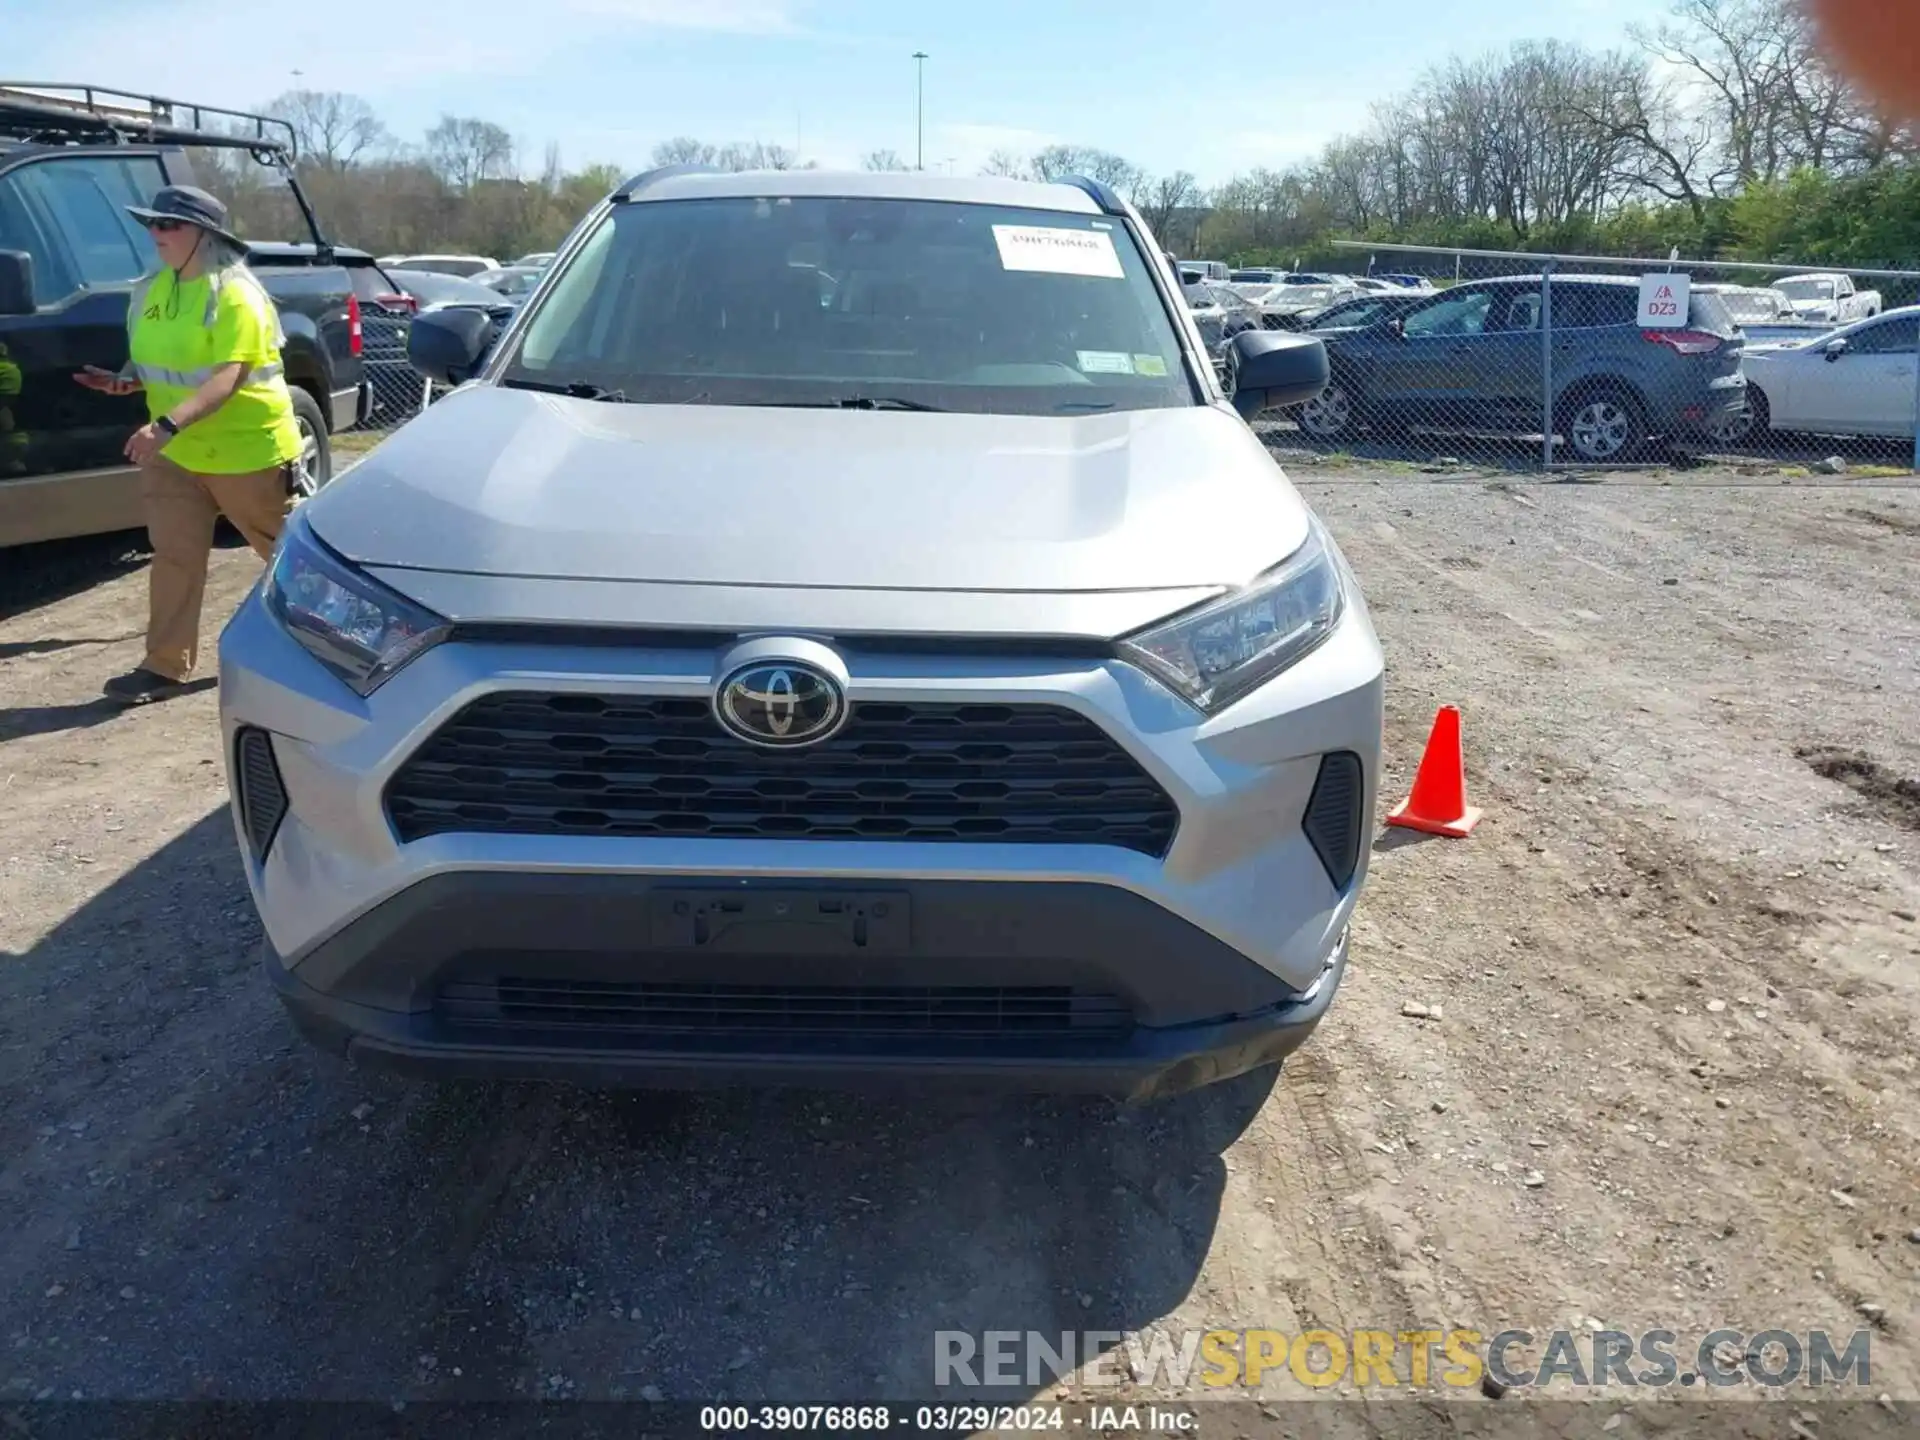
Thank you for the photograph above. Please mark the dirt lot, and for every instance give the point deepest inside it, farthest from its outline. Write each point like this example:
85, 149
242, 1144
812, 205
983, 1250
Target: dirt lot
1671, 1083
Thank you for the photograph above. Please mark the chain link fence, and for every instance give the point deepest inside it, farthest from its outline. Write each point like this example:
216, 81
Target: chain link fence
399, 394
1550, 362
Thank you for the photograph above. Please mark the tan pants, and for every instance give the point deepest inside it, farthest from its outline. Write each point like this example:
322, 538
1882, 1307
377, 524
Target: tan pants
182, 508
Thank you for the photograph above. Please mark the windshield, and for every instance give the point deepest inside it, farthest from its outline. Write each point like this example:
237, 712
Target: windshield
1805, 289
1750, 305
437, 289
824, 301
516, 282
1355, 315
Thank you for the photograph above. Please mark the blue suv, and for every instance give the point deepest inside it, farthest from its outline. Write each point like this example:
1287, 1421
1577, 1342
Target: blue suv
1470, 359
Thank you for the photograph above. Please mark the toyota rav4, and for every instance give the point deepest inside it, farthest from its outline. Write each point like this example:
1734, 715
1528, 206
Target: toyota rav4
841, 628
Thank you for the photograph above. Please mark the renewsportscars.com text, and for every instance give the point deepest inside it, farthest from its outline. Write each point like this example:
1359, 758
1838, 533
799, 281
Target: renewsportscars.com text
1418, 1359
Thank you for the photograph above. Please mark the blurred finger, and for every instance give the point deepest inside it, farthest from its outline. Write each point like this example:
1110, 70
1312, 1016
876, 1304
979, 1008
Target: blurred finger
1877, 44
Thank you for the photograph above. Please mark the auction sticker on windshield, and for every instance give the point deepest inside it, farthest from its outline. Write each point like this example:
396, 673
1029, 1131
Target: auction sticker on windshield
1106, 362
1058, 251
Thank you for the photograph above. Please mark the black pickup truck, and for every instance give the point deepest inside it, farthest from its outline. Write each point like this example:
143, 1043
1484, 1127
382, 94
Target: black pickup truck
70, 162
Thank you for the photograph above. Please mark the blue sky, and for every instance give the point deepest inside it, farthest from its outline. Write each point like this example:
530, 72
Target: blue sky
1203, 85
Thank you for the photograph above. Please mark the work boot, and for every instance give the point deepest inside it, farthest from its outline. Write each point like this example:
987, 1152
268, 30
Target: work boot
142, 687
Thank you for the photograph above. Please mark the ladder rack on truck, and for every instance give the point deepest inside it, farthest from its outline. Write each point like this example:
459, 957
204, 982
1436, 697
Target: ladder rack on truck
45, 113
42, 113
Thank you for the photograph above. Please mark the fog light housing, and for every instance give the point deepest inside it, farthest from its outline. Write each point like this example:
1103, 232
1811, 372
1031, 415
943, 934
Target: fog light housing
1335, 822
258, 788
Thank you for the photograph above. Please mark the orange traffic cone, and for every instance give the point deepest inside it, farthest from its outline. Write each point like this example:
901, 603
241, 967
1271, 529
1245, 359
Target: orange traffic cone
1438, 804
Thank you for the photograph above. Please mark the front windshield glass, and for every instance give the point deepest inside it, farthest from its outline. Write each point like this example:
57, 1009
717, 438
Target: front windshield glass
1805, 289
1749, 306
1356, 315
837, 301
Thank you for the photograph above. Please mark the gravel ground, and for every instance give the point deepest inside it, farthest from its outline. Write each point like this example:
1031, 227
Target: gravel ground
1671, 1081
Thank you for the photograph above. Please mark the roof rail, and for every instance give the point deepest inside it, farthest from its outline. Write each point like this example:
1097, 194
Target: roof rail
1103, 195
633, 185
95, 114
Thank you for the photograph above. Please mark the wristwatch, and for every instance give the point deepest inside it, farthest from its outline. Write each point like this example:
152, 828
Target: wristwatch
165, 422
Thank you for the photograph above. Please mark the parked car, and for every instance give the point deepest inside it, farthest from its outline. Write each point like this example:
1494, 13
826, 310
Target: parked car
464, 266
1858, 380
538, 257
71, 160
1351, 312
1220, 313
819, 729
1210, 270
402, 296
1469, 359
1254, 277
1359, 312
1419, 283
1763, 313
514, 281
1302, 294
1828, 297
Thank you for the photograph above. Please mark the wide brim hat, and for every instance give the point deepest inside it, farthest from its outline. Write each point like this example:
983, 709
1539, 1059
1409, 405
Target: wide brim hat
190, 205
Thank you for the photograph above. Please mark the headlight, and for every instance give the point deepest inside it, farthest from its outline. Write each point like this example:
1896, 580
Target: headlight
1217, 653
354, 626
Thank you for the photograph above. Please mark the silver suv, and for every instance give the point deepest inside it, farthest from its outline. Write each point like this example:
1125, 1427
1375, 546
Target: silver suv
841, 629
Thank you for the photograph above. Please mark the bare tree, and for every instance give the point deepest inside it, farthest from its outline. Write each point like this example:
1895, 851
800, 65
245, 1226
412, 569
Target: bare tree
1006, 163
1164, 198
740, 155
884, 160
685, 150
1660, 146
756, 155
1109, 169
331, 130
465, 151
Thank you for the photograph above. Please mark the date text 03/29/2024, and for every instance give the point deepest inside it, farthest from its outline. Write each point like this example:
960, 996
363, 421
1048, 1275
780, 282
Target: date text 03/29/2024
947, 1419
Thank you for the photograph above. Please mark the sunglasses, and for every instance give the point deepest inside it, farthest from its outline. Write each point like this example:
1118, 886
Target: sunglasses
166, 227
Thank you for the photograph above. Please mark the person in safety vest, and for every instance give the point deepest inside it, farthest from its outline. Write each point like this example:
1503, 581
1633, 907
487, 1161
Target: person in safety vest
203, 342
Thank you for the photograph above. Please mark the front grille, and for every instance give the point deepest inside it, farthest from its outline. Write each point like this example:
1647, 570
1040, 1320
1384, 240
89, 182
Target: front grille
595, 1011
544, 764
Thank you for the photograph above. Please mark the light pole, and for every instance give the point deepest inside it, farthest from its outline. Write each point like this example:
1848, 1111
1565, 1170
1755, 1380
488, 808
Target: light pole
920, 109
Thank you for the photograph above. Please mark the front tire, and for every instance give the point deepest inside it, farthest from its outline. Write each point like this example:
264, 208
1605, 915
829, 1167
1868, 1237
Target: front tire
1603, 425
314, 467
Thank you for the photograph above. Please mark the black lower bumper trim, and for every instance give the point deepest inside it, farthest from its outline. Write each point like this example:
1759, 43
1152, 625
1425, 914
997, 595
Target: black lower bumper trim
1149, 1063
684, 979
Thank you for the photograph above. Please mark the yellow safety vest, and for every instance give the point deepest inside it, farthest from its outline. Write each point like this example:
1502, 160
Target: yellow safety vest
178, 334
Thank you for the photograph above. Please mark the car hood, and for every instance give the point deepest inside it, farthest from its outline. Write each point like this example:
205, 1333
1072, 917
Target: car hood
496, 481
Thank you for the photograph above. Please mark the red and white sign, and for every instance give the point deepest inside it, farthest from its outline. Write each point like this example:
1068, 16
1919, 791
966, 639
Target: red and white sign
1664, 301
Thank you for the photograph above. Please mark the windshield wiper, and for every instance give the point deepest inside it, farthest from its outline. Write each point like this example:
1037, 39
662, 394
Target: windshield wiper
858, 402
1084, 405
579, 389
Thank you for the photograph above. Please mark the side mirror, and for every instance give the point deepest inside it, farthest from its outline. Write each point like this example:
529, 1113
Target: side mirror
447, 346
1269, 370
1397, 328
16, 283
1834, 349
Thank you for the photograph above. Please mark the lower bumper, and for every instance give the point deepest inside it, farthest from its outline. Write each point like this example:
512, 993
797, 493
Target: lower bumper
1718, 403
1198, 1012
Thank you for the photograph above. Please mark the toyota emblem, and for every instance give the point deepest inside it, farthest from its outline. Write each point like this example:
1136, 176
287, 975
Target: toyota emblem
779, 704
